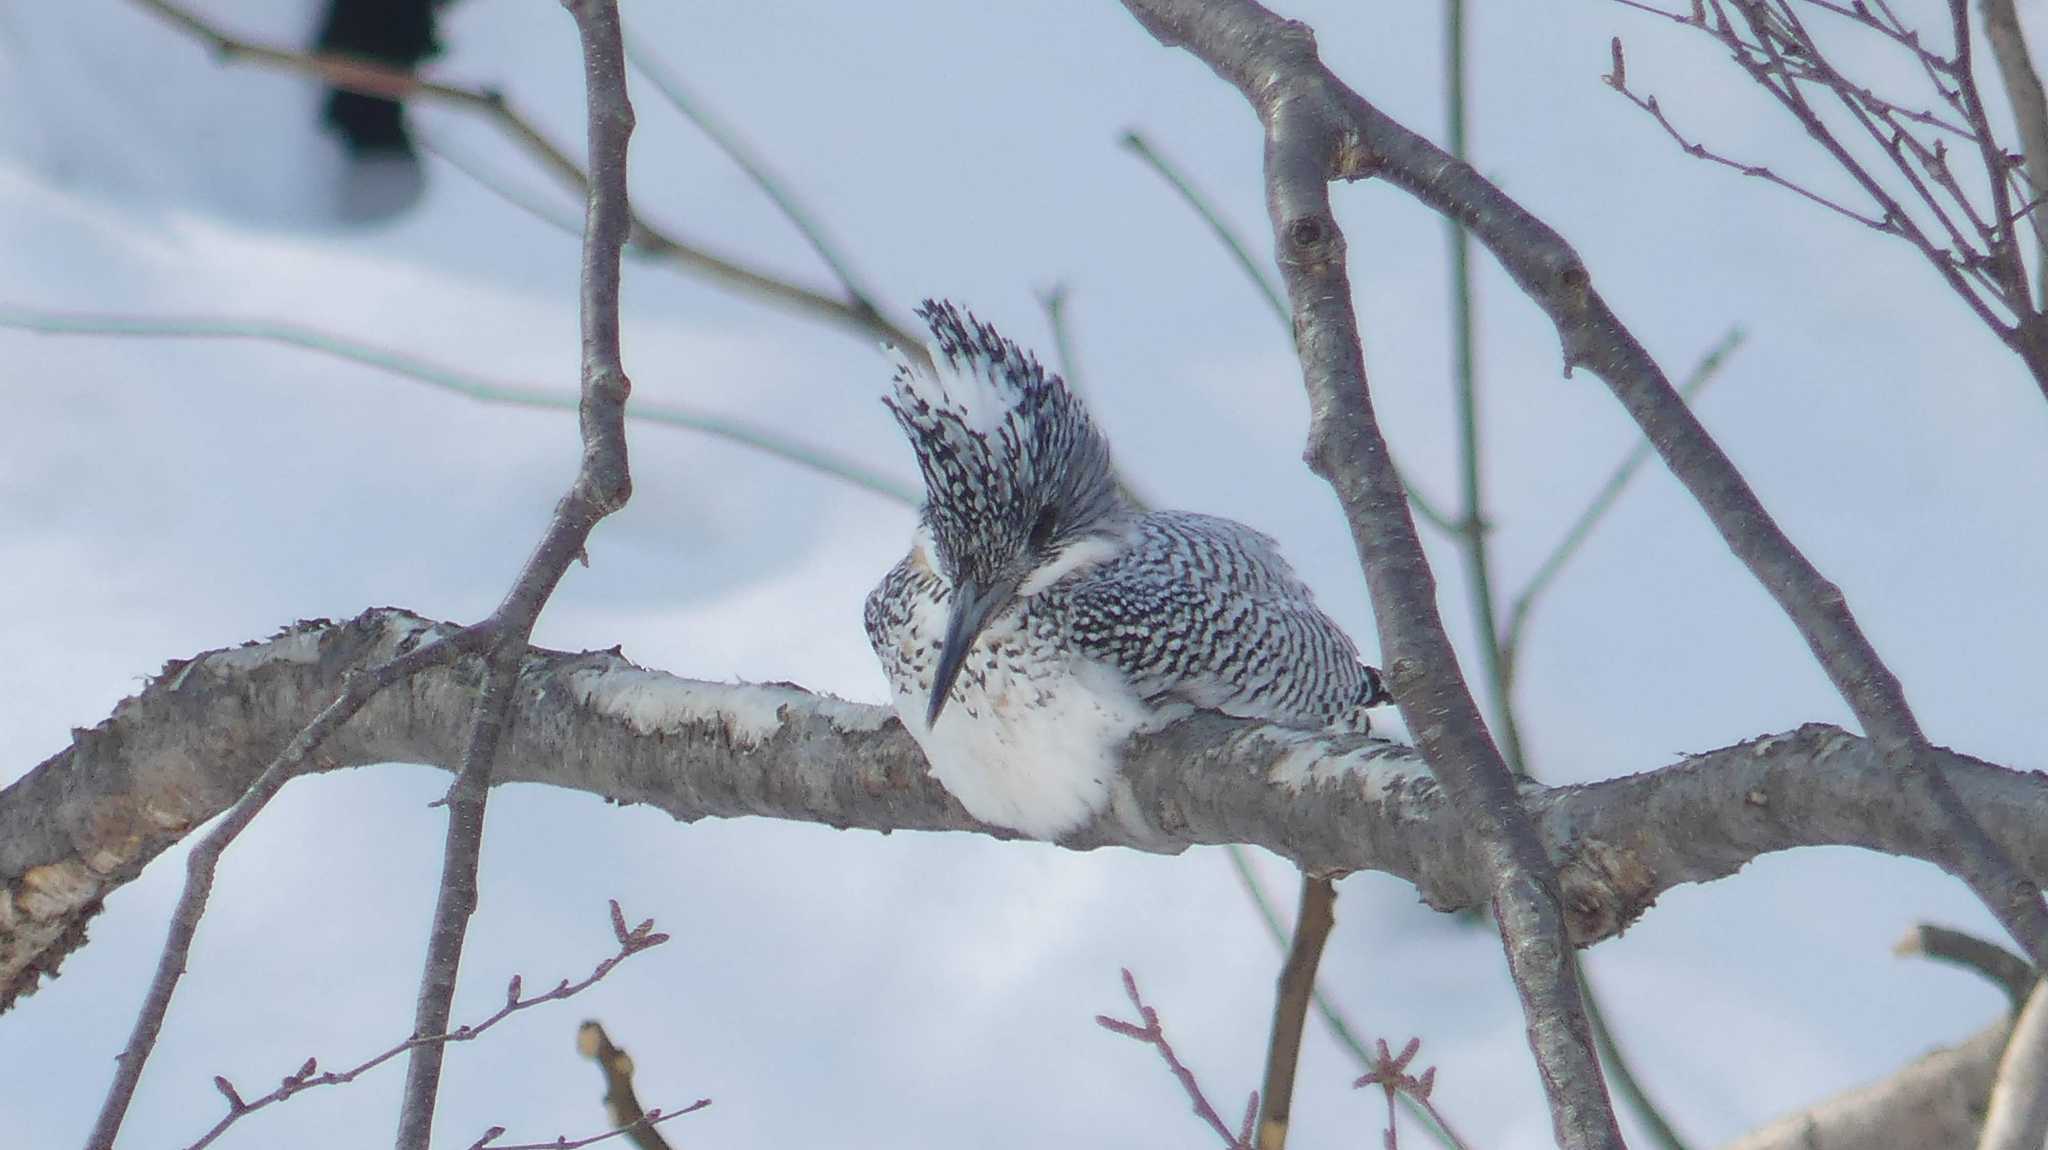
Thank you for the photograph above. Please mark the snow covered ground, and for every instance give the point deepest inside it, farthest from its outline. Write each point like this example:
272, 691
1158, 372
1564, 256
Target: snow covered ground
159, 497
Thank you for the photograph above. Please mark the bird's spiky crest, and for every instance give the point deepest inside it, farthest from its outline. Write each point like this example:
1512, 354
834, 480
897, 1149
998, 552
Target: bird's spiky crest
1001, 442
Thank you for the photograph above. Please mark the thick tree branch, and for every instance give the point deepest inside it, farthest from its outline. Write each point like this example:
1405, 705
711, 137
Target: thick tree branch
1273, 62
87, 820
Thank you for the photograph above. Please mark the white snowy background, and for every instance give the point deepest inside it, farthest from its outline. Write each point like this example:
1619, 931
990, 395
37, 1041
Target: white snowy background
158, 498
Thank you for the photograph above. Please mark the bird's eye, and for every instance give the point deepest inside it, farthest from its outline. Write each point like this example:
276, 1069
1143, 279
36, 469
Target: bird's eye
1041, 531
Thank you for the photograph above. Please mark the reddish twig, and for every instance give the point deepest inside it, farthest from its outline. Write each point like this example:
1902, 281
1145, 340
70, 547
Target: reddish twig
1390, 1073
1618, 80
1980, 258
1148, 1031
309, 1076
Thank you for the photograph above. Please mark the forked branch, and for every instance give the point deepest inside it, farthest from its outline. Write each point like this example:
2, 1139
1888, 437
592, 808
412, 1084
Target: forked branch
309, 1076
1273, 63
1147, 1030
602, 485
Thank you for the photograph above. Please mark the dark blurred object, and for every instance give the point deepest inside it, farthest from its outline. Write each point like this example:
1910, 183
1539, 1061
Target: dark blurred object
384, 170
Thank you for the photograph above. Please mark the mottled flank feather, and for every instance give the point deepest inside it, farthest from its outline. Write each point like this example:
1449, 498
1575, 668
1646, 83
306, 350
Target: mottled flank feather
1121, 620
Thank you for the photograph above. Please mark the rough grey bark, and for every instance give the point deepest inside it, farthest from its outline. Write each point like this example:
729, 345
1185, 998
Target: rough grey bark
86, 820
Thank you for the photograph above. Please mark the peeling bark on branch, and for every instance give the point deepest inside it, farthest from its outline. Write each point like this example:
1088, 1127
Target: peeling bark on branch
88, 819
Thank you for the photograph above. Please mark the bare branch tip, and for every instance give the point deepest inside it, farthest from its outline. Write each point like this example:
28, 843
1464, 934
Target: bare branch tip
227, 1089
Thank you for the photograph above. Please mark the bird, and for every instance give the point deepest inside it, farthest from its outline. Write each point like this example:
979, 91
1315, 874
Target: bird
1041, 617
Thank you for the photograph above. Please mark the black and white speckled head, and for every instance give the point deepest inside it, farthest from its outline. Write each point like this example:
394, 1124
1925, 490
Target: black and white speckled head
1016, 474
1018, 489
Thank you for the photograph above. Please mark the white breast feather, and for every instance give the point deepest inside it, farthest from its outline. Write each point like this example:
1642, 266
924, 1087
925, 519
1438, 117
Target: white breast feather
1032, 751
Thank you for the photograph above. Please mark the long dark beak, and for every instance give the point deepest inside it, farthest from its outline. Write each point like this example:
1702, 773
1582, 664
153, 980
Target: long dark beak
973, 606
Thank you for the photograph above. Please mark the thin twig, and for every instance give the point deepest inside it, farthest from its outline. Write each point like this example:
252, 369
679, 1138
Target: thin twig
1894, 31
1389, 1072
643, 1125
1253, 269
2004, 254
1241, 254
309, 1076
1472, 519
2008, 971
295, 759
1793, 54
1498, 650
1148, 1031
556, 212
1296, 984
1603, 501
1617, 80
1622, 1072
471, 385
621, 1101
1781, 56
602, 485
666, 82
1341, 1027
1054, 301
2029, 110
375, 79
